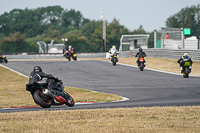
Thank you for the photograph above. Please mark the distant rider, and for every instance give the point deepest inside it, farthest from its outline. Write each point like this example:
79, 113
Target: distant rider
37, 75
140, 54
112, 51
71, 49
183, 59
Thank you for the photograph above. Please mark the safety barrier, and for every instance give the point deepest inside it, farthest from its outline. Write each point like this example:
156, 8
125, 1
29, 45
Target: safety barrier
54, 56
164, 53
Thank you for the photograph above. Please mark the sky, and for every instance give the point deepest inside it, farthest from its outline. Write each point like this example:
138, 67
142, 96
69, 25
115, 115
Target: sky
151, 14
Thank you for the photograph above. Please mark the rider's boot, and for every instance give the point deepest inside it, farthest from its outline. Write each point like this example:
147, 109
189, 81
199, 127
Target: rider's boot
181, 69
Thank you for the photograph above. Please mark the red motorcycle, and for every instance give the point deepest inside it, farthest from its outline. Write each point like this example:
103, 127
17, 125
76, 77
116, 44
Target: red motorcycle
43, 97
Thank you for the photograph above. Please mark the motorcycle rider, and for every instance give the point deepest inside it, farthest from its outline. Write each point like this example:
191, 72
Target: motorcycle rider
140, 54
71, 49
112, 51
183, 59
37, 75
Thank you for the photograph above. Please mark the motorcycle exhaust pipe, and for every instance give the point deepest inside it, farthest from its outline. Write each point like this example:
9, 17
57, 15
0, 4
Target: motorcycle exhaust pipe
47, 92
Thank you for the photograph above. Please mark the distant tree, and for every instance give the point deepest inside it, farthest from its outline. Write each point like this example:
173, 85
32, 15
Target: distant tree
151, 40
96, 41
13, 43
89, 28
72, 19
188, 17
114, 32
140, 30
21, 29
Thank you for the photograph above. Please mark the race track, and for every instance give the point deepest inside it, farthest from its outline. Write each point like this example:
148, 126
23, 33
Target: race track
143, 88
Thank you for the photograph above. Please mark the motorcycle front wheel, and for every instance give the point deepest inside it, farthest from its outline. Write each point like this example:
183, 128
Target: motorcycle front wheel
69, 100
69, 59
41, 99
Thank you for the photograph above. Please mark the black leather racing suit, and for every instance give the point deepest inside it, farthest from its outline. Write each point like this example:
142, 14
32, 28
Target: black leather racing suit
140, 54
181, 60
38, 76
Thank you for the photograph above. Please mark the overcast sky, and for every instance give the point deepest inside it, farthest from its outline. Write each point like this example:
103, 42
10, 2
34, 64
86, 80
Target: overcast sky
152, 14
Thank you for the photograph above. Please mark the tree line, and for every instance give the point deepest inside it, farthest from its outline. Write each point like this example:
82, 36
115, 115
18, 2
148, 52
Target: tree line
188, 17
21, 29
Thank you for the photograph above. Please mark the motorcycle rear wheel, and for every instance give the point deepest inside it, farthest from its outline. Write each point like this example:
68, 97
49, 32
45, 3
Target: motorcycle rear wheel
141, 67
114, 62
69, 100
74, 58
186, 72
39, 99
6, 61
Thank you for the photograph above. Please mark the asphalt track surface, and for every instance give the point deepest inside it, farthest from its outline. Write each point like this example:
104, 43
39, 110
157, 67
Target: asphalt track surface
143, 88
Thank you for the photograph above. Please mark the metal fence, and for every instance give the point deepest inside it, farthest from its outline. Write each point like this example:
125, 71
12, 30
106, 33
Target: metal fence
164, 53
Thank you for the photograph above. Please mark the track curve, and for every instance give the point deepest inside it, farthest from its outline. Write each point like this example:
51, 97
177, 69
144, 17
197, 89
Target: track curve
143, 88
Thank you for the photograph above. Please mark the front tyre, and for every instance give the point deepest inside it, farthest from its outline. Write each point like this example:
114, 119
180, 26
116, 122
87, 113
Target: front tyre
42, 99
69, 100
69, 59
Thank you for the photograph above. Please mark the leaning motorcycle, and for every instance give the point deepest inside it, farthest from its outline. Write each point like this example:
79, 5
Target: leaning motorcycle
114, 59
141, 64
68, 55
41, 94
3, 59
186, 69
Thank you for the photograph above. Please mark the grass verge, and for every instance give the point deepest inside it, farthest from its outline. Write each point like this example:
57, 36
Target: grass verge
13, 92
121, 120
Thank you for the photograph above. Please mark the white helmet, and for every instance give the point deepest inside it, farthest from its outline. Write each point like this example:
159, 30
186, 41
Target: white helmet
70, 46
114, 47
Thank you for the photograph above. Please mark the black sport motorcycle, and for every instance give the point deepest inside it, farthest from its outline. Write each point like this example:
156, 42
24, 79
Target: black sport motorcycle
141, 64
3, 58
114, 59
43, 97
186, 69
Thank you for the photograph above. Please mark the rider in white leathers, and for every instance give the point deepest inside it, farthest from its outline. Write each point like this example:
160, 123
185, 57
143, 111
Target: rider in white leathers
112, 51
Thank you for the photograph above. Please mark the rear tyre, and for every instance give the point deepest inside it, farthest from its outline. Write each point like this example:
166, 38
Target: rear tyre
42, 100
69, 100
114, 62
141, 66
6, 61
74, 58
186, 72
